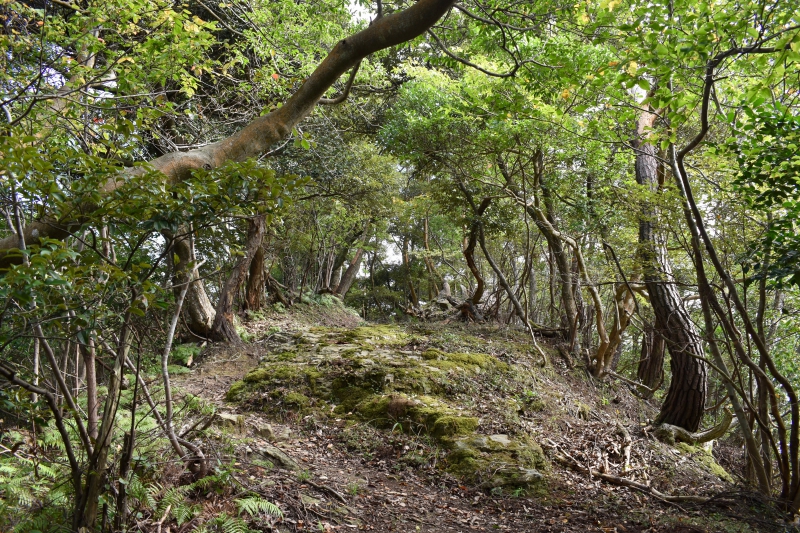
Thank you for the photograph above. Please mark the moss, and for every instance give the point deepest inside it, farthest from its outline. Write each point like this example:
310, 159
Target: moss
380, 335
446, 426
706, 459
296, 400
344, 387
349, 398
277, 372
471, 361
464, 463
290, 355
236, 389
373, 410
495, 461
418, 379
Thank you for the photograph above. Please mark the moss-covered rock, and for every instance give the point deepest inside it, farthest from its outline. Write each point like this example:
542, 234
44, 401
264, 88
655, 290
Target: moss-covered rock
496, 460
373, 374
447, 426
236, 390
376, 335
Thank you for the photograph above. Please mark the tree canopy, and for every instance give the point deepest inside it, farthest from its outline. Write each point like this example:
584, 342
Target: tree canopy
609, 176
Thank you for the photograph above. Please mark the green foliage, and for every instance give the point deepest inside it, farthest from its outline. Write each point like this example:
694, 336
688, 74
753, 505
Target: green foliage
255, 505
769, 177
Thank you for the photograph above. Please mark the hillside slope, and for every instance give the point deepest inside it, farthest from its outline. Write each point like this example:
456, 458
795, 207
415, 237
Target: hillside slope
449, 428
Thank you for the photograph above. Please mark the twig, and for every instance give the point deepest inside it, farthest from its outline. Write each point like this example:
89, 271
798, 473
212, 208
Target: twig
325, 488
166, 512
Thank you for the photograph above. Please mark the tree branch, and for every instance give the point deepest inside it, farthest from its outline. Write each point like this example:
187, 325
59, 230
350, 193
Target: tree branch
263, 132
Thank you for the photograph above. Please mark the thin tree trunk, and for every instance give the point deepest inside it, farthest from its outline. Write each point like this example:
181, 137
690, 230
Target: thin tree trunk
223, 329
89, 353
34, 396
407, 263
436, 278
89, 506
549, 227
469, 252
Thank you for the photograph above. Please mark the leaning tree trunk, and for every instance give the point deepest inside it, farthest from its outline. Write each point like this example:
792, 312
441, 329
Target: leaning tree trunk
198, 312
685, 401
349, 275
223, 329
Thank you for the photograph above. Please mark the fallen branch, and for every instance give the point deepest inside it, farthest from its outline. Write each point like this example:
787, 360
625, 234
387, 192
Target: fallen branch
616, 480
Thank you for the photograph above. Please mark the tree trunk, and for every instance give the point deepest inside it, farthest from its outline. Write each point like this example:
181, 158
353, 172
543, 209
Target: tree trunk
686, 397
88, 353
469, 253
198, 313
436, 278
254, 292
223, 329
651, 362
407, 262
349, 275
549, 228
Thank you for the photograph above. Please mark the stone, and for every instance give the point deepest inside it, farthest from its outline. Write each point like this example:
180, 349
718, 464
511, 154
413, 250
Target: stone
263, 430
278, 457
230, 421
445, 292
503, 440
443, 304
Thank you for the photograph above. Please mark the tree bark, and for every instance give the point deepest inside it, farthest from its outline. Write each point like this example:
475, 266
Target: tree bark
469, 252
223, 329
88, 353
349, 275
407, 262
254, 292
651, 362
686, 397
198, 312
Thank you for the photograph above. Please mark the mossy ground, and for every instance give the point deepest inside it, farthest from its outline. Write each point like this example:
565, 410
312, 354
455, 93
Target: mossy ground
479, 400
380, 375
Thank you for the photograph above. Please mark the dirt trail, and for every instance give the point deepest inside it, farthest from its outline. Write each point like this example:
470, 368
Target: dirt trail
360, 479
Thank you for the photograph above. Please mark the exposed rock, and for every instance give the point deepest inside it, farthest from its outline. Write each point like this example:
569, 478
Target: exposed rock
277, 456
363, 374
230, 421
263, 430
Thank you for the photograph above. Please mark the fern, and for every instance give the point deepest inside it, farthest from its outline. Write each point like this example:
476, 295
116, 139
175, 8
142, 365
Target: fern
144, 496
183, 513
255, 505
40, 522
232, 524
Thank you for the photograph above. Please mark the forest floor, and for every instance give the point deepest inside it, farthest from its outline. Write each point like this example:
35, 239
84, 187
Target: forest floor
328, 470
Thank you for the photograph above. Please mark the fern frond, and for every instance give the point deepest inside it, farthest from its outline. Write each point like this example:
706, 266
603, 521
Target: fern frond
255, 505
232, 524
